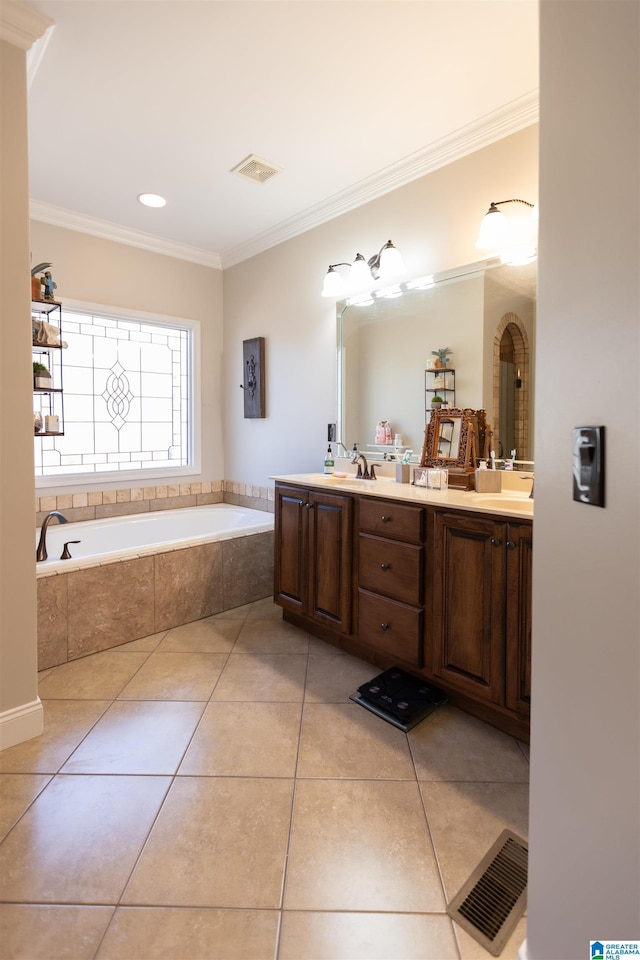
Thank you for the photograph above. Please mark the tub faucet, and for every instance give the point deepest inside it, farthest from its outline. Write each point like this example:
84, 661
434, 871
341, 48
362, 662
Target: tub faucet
41, 552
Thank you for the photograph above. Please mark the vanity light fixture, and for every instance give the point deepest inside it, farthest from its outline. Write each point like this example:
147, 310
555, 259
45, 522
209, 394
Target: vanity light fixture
152, 200
514, 238
385, 266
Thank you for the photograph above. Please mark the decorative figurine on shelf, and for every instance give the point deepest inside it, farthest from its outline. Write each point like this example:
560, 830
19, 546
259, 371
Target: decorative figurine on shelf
49, 286
442, 356
36, 282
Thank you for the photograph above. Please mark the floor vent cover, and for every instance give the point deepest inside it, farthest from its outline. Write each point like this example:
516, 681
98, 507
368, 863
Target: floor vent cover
253, 168
494, 897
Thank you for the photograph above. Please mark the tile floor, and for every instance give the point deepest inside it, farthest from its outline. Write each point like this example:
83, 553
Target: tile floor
211, 792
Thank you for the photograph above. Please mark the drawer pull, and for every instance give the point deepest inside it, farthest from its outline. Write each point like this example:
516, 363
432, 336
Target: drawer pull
385, 566
385, 519
511, 545
495, 542
384, 626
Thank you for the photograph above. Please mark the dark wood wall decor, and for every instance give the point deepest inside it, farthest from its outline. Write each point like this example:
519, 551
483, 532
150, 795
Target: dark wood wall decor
253, 386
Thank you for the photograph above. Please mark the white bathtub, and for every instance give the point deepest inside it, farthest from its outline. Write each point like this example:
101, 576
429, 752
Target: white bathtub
143, 534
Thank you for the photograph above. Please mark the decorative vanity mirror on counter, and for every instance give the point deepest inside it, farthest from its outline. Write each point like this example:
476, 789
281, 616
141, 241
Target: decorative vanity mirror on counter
485, 312
455, 439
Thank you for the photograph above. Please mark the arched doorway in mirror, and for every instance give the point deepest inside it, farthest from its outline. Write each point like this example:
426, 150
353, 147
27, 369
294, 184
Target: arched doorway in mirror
511, 388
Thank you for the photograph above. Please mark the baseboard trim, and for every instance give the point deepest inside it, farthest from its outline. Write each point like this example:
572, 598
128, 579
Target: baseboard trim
21, 723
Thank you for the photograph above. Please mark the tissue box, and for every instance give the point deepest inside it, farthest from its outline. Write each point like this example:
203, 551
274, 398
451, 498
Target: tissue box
488, 481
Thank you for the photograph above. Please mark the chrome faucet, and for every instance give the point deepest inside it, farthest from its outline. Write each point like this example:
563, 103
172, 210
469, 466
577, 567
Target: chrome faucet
41, 552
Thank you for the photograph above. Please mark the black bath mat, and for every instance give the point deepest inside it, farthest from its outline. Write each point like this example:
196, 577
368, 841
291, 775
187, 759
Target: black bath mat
399, 698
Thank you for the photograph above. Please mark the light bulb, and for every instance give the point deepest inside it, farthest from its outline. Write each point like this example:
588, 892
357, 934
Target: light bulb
333, 285
391, 263
493, 230
360, 275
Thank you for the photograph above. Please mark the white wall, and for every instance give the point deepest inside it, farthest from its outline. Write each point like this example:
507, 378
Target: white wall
433, 221
18, 682
585, 795
114, 274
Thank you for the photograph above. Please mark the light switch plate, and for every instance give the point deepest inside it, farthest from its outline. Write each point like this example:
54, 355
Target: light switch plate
588, 465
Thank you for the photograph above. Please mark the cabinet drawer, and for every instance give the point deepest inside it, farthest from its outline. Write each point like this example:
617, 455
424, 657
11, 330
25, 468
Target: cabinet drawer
391, 568
396, 520
391, 627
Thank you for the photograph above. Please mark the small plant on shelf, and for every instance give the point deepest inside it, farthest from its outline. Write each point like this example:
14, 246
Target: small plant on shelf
437, 401
41, 376
442, 356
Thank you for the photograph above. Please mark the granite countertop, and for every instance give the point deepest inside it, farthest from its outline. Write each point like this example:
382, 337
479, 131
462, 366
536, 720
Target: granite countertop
509, 503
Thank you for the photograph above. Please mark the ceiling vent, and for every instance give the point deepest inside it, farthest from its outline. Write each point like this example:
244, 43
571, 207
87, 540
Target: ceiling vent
253, 168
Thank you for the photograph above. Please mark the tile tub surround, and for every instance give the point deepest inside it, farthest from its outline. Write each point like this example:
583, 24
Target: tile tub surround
134, 598
334, 835
98, 504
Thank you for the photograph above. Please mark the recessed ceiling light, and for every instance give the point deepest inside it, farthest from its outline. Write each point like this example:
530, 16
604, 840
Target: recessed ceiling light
152, 200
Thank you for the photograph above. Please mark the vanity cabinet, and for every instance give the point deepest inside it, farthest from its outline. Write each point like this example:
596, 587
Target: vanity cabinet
391, 579
482, 608
313, 555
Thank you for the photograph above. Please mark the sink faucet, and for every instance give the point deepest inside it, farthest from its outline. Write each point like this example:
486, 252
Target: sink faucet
361, 459
528, 476
41, 552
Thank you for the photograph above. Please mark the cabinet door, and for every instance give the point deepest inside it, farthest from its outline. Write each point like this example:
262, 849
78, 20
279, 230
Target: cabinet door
330, 559
469, 604
290, 568
518, 627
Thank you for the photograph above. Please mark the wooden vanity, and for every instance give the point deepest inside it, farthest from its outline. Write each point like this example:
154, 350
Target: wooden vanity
433, 581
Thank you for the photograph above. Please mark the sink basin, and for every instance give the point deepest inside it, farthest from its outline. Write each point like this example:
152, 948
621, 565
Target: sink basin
506, 502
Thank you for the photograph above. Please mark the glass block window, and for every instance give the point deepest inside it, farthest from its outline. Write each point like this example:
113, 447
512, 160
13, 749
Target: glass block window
127, 398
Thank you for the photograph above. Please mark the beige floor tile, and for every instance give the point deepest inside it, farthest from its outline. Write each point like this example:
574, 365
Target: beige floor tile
525, 750
264, 609
79, 839
217, 842
262, 677
147, 644
30, 932
143, 737
176, 676
452, 745
66, 722
366, 936
202, 636
465, 819
98, 677
320, 648
17, 791
245, 740
271, 636
470, 949
169, 933
345, 740
332, 679
361, 845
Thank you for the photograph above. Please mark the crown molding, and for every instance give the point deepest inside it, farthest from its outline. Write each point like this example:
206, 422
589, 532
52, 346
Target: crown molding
509, 119
21, 25
105, 230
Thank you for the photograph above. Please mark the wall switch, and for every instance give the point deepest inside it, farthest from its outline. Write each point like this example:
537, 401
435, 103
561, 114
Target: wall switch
331, 432
588, 465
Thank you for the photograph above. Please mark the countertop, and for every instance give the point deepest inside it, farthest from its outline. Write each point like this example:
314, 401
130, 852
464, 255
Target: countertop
509, 503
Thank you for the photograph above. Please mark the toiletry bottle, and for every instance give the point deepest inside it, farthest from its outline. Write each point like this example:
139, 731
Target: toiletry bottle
329, 462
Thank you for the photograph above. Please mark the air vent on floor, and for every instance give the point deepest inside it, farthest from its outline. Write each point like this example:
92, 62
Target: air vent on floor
494, 897
253, 168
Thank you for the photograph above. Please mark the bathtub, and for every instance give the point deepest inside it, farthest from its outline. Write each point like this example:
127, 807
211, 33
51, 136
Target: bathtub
143, 534
135, 576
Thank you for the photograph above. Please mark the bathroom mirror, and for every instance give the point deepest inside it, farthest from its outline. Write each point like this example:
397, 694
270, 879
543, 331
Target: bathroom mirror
485, 313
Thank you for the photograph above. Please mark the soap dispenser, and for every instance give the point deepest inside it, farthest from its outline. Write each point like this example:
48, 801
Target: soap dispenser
329, 462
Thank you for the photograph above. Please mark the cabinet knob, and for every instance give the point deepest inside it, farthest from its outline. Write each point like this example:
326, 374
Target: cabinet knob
384, 626
385, 519
308, 506
385, 566
511, 545
495, 542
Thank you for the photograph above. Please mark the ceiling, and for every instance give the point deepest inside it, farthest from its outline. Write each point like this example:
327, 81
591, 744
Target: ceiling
350, 99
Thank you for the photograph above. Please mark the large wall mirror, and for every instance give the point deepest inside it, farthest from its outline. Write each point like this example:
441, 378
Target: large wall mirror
485, 313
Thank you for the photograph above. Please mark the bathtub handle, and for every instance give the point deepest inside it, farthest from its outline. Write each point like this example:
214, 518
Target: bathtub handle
65, 555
